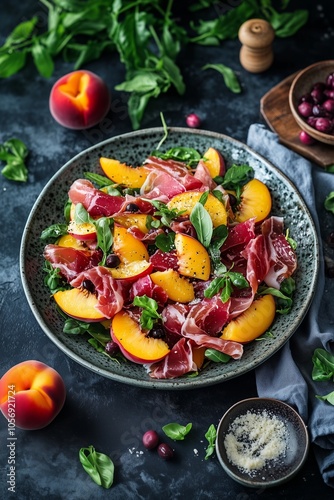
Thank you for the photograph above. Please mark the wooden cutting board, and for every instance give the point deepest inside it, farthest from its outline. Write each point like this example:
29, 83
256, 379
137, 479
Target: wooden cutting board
275, 110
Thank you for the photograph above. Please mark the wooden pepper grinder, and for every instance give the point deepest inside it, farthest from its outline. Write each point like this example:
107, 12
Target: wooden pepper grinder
256, 36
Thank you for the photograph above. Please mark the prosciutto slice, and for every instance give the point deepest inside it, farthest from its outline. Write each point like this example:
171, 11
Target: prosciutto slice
282, 259
191, 331
175, 169
161, 186
70, 261
178, 362
111, 293
96, 202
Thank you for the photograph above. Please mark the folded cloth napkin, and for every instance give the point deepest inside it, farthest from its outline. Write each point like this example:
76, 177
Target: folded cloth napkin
288, 374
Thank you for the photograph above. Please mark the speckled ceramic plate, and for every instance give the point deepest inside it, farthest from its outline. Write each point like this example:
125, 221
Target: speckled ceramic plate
294, 442
133, 148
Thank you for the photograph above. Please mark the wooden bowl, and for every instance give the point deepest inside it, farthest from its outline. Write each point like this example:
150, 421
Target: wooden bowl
302, 84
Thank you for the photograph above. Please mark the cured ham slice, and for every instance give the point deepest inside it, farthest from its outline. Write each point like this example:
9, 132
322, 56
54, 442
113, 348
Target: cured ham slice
161, 186
202, 173
210, 314
178, 362
111, 293
96, 202
70, 261
175, 169
191, 331
282, 258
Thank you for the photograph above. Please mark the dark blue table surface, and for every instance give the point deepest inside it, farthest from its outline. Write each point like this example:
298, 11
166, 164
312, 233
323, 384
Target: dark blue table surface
100, 412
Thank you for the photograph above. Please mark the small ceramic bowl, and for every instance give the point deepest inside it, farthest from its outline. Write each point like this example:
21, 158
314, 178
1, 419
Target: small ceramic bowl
261, 442
301, 85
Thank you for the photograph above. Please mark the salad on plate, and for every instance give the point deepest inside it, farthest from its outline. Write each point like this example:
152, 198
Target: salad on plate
172, 264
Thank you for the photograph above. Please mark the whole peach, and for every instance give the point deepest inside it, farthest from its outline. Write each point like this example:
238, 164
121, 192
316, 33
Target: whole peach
79, 100
31, 395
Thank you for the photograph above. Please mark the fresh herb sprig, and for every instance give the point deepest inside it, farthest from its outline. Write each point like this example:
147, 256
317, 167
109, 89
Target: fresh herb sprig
147, 36
176, 431
98, 466
149, 315
14, 153
323, 370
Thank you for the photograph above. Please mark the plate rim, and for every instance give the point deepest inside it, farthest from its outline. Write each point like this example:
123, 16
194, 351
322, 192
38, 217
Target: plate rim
163, 384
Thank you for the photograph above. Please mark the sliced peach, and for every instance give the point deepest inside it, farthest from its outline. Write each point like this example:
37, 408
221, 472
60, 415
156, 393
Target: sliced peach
79, 304
131, 270
193, 259
136, 220
214, 162
186, 201
127, 247
198, 356
68, 241
82, 231
253, 322
120, 173
135, 344
177, 288
255, 202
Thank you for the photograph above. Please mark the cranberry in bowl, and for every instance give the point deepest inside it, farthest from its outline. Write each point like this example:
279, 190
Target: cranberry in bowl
311, 99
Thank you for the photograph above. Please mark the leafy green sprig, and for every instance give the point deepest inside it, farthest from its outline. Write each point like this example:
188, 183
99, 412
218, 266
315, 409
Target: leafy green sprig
147, 36
14, 153
98, 466
149, 315
323, 370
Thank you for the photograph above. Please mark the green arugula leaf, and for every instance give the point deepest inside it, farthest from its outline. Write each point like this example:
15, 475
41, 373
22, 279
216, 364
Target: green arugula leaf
210, 436
149, 315
100, 180
53, 279
189, 156
176, 432
287, 24
42, 59
167, 215
98, 466
230, 78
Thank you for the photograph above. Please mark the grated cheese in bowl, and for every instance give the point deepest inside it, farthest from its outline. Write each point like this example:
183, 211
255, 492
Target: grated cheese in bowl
255, 438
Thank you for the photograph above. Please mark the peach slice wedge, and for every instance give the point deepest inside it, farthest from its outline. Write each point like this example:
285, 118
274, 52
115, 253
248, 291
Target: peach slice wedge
253, 322
214, 162
136, 220
193, 259
68, 241
187, 200
127, 247
120, 173
135, 344
82, 231
131, 270
79, 304
178, 288
255, 202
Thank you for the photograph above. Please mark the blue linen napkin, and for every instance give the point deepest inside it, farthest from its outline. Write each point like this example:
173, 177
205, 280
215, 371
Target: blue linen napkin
288, 374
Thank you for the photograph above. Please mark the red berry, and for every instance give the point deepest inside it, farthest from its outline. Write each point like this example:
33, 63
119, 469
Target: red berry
151, 440
193, 120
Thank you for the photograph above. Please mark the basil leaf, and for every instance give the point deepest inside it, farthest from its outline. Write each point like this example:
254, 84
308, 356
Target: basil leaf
165, 242
214, 287
201, 220
42, 59
11, 63
210, 436
98, 466
14, 152
287, 24
217, 356
104, 236
187, 155
150, 313
81, 216
230, 78
323, 365
237, 279
54, 231
176, 432
21, 32
237, 175
329, 398
329, 202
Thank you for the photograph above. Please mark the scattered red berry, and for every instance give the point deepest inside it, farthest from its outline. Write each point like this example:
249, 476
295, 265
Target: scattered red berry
193, 120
